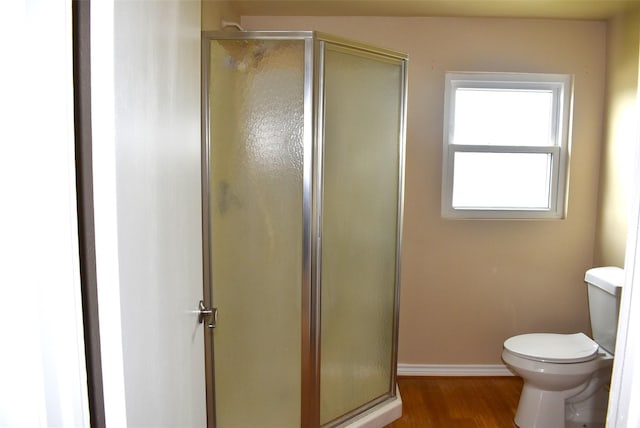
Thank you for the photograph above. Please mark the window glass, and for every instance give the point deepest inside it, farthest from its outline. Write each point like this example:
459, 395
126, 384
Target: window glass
505, 117
501, 180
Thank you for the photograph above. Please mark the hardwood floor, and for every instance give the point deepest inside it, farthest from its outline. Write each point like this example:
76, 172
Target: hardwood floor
458, 402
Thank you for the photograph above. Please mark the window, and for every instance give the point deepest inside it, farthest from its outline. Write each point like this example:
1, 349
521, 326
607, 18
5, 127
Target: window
505, 145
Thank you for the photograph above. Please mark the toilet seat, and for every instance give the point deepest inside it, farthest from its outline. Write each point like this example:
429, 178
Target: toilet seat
553, 347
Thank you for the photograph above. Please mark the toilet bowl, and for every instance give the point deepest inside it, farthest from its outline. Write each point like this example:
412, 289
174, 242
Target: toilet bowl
562, 385
567, 376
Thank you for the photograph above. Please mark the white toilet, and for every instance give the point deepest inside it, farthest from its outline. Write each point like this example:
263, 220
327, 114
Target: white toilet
566, 376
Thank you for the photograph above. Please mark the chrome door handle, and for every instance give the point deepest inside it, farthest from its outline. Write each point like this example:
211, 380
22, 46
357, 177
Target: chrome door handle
207, 313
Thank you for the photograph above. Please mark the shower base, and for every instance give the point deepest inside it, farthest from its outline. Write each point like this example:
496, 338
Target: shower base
379, 416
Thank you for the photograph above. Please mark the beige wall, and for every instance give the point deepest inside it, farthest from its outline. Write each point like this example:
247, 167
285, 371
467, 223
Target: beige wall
214, 11
468, 285
620, 140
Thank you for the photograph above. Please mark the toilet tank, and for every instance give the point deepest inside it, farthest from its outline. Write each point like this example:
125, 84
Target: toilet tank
604, 285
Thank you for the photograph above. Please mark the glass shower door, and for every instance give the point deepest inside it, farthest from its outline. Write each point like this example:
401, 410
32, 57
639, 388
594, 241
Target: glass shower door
363, 107
303, 163
255, 109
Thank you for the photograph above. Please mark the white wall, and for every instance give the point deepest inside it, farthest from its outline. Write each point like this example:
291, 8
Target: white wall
42, 372
146, 100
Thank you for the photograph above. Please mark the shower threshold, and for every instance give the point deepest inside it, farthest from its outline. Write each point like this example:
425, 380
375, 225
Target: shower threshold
379, 416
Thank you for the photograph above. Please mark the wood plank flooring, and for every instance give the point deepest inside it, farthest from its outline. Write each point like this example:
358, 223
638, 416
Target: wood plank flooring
458, 402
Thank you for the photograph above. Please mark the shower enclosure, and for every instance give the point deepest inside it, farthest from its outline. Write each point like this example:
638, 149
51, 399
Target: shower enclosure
303, 166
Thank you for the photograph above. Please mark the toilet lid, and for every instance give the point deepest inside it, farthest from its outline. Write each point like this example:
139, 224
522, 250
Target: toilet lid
553, 348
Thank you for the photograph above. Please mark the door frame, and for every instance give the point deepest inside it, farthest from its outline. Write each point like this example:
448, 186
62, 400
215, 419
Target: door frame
81, 10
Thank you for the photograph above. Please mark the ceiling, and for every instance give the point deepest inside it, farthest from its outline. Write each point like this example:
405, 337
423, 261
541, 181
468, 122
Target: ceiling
559, 9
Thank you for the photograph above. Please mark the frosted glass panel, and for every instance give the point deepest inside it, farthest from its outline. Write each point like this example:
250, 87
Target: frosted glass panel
362, 128
256, 112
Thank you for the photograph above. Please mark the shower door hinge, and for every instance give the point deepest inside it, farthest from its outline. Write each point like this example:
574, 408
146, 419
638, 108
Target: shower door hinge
210, 314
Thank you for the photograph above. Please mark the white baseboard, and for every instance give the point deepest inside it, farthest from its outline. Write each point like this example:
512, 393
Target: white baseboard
453, 370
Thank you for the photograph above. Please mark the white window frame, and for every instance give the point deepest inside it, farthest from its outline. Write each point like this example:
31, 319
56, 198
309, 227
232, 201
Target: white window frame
561, 87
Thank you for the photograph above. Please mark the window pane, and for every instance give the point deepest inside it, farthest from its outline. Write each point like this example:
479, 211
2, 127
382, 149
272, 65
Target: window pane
499, 117
501, 180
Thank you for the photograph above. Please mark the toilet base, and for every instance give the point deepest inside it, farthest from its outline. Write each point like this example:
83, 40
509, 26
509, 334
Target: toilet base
588, 409
584, 406
542, 409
